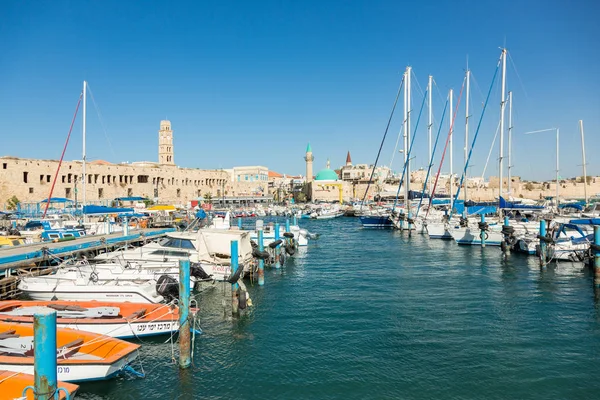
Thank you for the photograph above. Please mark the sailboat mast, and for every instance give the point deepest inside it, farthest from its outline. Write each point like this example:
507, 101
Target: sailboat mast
83, 176
502, 107
583, 157
557, 169
510, 127
404, 128
409, 106
430, 124
451, 95
467, 133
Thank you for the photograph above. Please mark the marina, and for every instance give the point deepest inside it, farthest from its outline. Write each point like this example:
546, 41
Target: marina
299, 201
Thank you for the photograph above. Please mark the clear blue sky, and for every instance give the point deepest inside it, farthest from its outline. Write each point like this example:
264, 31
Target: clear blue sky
247, 83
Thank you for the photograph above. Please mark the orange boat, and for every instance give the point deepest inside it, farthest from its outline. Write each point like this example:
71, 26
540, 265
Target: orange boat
13, 383
81, 356
120, 320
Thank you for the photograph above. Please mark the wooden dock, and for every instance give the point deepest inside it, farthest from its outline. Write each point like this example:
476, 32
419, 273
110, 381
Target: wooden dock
22, 256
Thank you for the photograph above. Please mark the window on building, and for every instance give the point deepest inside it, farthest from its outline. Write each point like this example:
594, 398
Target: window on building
48, 178
30, 190
142, 178
178, 192
103, 179
69, 177
100, 193
4, 165
25, 174
89, 178
68, 193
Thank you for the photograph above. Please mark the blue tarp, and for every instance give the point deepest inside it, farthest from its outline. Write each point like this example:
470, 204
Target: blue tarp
57, 200
517, 206
106, 210
576, 206
586, 221
133, 198
459, 207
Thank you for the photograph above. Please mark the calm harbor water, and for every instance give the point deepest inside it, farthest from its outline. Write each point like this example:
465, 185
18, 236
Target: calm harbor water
377, 315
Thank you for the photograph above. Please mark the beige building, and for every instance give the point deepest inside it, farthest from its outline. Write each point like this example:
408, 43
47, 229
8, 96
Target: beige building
30, 180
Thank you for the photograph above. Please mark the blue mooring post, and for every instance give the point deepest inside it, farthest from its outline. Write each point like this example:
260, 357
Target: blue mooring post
278, 248
597, 255
409, 224
235, 299
287, 225
184, 308
295, 220
240, 224
261, 262
505, 238
44, 353
482, 232
542, 243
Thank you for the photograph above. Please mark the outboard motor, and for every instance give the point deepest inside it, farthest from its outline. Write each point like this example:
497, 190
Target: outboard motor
167, 287
198, 272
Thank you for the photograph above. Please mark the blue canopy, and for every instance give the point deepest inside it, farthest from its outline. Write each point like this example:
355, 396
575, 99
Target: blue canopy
132, 198
576, 206
98, 210
517, 206
57, 200
586, 221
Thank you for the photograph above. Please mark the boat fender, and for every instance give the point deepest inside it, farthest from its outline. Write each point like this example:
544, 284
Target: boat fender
508, 230
290, 249
261, 255
253, 244
236, 275
281, 258
197, 271
483, 226
243, 299
288, 235
275, 243
167, 287
595, 247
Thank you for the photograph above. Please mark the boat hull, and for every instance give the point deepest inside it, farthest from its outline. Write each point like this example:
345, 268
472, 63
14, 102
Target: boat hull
376, 222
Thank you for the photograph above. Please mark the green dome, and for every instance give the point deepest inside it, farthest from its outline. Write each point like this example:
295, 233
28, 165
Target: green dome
326, 175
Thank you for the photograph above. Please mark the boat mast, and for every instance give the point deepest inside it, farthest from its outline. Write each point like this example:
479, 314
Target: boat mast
502, 107
557, 169
430, 125
583, 156
451, 95
83, 177
404, 128
467, 134
409, 106
510, 127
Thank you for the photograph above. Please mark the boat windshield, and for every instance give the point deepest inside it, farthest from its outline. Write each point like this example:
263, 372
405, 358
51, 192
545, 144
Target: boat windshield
178, 243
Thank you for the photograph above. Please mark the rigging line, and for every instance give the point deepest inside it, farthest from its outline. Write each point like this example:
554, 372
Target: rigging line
62, 155
476, 133
417, 81
477, 87
431, 160
101, 121
446, 146
409, 151
396, 146
512, 61
490, 152
383, 141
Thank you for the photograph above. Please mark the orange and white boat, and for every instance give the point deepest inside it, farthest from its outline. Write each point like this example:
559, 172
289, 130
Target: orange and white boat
81, 356
12, 385
119, 320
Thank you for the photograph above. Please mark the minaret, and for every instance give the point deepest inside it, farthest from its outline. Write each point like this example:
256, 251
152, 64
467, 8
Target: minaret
165, 143
348, 160
309, 162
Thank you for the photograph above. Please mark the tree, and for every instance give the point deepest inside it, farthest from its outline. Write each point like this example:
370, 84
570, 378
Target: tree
207, 198
588, 180
529, 186
13, 203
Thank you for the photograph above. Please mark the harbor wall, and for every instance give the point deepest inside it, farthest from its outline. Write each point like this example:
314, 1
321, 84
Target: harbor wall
30, 180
